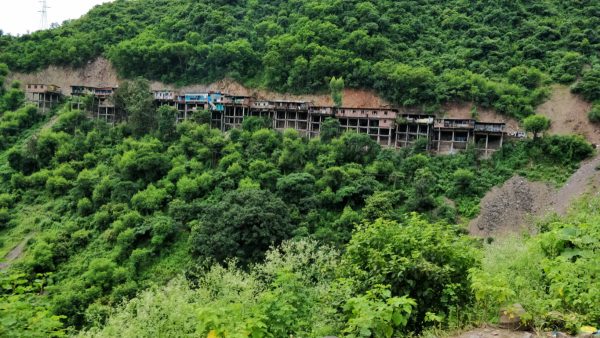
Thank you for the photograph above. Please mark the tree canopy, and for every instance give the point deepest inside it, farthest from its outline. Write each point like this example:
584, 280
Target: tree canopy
497, 54
536, 124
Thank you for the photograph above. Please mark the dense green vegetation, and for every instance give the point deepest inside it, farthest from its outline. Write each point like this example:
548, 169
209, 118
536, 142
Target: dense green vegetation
498, 54
589, 88
112, 211
151, 228
554, 275
536, 124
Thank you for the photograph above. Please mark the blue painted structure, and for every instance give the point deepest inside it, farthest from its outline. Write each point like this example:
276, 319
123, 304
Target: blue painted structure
214, 100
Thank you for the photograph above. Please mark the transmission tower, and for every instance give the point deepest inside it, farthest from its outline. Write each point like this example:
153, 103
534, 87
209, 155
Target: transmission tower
44, 12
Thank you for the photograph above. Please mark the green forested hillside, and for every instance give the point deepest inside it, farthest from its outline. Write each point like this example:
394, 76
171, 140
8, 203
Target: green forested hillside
371, 241
150, 228
496, 53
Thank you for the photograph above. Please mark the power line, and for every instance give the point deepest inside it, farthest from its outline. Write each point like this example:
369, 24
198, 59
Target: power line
44, 11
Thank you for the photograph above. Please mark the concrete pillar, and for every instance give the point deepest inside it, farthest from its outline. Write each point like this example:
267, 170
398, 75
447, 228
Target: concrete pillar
428, 139
222, 119
468, 135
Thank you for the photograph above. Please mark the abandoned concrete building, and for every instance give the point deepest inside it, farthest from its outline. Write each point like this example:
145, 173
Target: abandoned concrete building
99, 101
44, 96
389, 126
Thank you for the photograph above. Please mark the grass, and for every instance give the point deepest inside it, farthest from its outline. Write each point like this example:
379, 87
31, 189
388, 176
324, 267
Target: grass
556, 175
23, 138
28, 221
172, 261
27, 217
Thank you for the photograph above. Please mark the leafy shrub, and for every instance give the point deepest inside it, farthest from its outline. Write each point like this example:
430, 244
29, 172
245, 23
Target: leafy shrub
426, 262
190, 188
553, 275
4, 218
589, 86
57, 185
235, 227
355, 148
80, 237
569, 67
42, 257
594, 114
296, 187
468, 207
162, 227
404, 84
140, 258
22, 311
6, 200
290, 293
566, 149
104, 274
84, 206
150, 200
143, 160
71, 120
377, 314
463, 181
254, 123
330, 129
382, 204
526, 76
536, 124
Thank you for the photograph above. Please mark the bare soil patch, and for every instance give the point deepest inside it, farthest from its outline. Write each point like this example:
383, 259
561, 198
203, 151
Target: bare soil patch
510, 207
100, 72
586, 180
505, 209
568, 113
463, 111
97, 73
359, 98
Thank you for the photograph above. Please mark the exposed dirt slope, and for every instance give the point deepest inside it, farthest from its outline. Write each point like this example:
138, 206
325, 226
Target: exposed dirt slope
463, 111
507, 209
101, 73
97, 73
568, 113
585, 180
